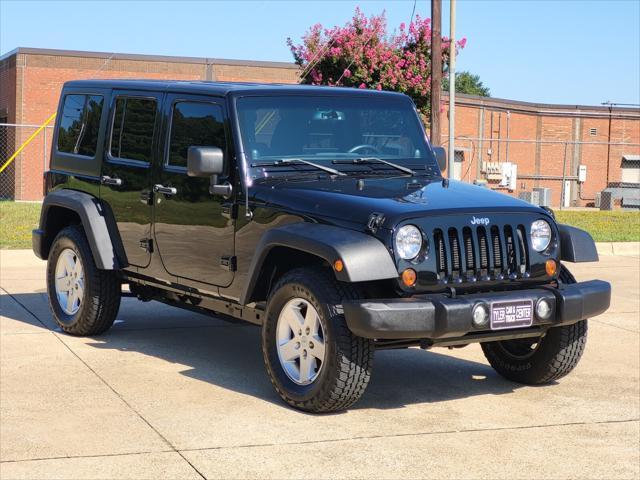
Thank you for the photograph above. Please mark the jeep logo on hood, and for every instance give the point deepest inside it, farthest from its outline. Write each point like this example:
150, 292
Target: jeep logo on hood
480, 221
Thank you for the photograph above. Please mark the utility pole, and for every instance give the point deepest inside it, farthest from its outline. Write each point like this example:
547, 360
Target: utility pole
436, 69
452, 88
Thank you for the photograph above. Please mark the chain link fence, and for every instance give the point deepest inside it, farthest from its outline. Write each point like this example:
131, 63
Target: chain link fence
22, 179
554, 173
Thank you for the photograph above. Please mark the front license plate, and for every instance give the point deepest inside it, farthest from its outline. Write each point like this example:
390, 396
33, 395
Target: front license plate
513, 314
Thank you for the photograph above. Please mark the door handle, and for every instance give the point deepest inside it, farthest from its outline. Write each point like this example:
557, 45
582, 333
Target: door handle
165, 190
117, 182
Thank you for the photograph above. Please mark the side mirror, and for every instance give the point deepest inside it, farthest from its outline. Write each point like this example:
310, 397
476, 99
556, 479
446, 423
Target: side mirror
208, 162
441, 157
204, 161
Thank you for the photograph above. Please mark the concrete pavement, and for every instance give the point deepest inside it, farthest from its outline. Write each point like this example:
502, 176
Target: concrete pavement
172, 394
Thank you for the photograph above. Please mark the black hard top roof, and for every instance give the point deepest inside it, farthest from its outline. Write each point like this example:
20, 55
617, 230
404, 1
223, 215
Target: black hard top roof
225, 88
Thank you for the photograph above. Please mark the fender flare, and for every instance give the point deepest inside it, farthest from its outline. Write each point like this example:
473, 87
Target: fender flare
576, 245
365, 258
97, 221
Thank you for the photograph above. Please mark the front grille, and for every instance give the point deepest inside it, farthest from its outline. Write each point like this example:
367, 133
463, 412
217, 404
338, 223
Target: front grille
478, 253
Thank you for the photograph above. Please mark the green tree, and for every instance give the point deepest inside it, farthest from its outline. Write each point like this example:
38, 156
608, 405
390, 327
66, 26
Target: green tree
468, 83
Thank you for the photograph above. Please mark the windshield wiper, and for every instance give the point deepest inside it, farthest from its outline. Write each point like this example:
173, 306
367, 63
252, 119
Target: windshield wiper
291, 161
365, 160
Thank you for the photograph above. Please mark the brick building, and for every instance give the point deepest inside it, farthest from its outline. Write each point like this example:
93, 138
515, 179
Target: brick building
550, 144
542, 140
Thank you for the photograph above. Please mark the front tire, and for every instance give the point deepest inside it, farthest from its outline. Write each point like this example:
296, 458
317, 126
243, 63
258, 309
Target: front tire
313, 360
542, 360
84, 300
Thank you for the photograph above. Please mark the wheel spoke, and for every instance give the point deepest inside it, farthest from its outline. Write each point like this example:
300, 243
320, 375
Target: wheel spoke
307, 364
71, 300
311, 320
80, 291
294, 319
61, 284
70, 264
318, 348
289, 351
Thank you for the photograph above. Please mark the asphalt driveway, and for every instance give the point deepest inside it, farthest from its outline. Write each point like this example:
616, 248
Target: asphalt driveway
168, 393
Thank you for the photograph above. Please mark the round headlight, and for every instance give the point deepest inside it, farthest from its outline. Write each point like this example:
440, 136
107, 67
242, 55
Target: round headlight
408, 242
540, 235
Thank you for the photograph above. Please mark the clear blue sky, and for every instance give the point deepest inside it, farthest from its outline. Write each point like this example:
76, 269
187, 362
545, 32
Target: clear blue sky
572, 52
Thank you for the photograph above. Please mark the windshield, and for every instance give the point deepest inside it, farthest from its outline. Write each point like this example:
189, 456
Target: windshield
329, 130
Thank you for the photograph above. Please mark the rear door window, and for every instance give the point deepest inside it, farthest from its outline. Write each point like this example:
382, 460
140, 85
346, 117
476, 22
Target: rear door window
132, 128
78, 128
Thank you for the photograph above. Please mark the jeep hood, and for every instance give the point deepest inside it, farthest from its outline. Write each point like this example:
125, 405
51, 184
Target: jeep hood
397, 198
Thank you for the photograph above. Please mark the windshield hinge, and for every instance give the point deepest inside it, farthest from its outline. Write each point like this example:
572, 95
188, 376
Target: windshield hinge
146, 244
229, 263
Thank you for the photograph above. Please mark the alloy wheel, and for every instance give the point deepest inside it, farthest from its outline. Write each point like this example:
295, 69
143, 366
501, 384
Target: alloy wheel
300, 341
69, 281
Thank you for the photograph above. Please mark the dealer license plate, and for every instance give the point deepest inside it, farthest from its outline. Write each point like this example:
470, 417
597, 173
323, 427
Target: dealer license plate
512, 314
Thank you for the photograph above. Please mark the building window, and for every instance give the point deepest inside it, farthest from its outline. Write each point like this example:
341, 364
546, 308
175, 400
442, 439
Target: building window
78, 128
132, 131
630, 169
194, 124
593, 132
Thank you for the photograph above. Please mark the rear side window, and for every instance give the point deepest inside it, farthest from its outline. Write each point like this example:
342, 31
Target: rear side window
132, 130
78, 128
197, 124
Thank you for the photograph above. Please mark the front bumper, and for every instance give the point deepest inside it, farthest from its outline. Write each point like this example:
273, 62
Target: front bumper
441, 317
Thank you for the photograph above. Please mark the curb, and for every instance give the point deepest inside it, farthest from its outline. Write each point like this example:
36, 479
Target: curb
618, 248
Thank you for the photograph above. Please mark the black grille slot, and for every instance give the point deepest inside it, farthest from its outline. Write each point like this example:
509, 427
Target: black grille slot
440, 251
482, 245
468, 248
455, 249
524, 254
511, 249
497, 250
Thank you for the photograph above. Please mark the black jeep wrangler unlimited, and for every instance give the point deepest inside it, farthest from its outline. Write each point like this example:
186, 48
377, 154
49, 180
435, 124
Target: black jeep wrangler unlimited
318, 213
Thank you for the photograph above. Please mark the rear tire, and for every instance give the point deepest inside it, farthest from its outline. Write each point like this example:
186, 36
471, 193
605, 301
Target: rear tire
339, 376
542, 360
84, 300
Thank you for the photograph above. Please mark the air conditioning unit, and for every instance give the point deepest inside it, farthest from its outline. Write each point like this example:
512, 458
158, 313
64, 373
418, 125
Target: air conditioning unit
544, 195
531, 197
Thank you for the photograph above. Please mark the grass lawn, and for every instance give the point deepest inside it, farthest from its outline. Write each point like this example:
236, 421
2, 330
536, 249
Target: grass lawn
18, 219
604, 226
16, 222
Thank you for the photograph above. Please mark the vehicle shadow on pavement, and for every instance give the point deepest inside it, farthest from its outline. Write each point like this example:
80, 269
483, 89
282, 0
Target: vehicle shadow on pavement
228, 355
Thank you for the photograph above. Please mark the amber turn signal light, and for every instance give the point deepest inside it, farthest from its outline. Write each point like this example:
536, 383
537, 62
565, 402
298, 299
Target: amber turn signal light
338, 266
409, 277
550, 266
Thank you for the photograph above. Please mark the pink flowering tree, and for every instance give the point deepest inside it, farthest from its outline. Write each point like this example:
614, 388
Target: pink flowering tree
362, 54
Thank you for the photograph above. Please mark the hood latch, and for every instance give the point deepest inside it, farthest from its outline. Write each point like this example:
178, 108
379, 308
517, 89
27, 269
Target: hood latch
375, 221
